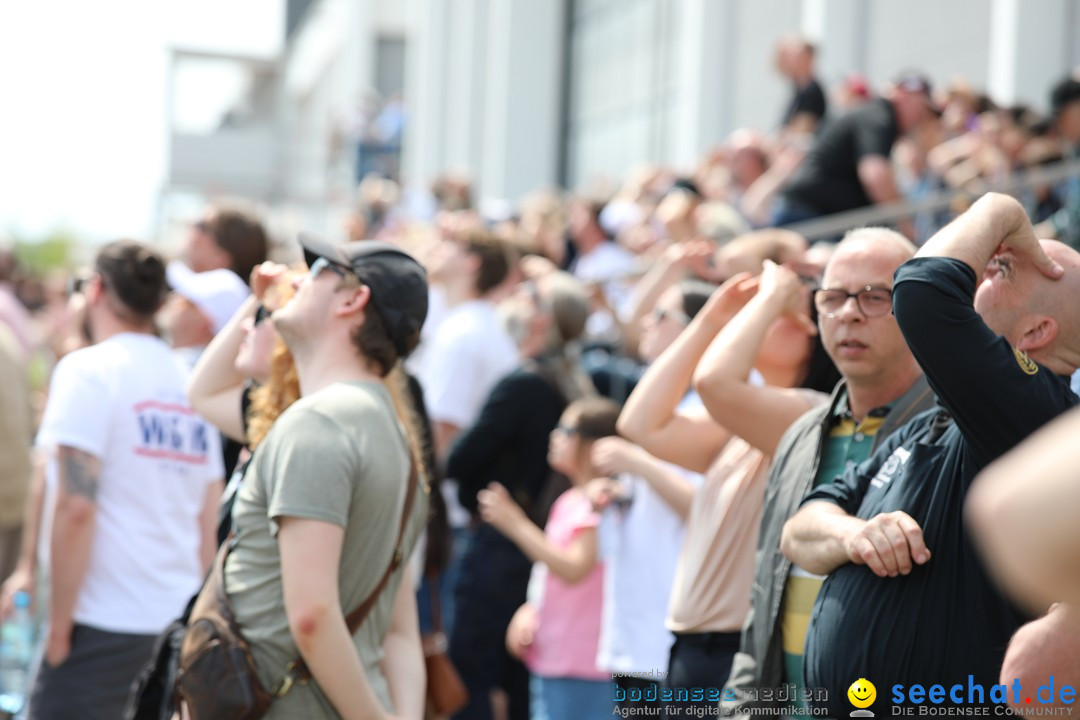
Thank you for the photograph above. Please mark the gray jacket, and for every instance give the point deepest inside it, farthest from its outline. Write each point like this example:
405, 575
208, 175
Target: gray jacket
759, 664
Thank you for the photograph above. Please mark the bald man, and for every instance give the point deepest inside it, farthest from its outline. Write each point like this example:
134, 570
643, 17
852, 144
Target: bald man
990, 314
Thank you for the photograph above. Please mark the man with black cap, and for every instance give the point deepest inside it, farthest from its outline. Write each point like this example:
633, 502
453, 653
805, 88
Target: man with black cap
848, 165
319, 513
1065, 106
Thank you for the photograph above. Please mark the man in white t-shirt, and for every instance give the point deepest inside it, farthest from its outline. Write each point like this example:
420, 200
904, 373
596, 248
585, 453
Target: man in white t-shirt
471, 350
469, 353
133, 482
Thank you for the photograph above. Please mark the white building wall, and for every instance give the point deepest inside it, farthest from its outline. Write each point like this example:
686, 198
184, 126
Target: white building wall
661, 81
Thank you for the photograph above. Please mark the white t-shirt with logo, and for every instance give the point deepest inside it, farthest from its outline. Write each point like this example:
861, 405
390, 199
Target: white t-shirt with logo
123, 401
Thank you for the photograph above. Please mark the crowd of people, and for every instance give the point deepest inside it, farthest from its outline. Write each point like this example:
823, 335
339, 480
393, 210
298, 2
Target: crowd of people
646, 453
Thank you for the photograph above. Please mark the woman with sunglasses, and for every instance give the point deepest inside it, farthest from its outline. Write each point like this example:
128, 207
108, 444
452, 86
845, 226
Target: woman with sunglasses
758, 326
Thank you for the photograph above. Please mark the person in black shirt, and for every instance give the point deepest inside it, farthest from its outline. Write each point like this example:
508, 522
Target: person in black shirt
508, 444
795, 61
848, 165
990, 314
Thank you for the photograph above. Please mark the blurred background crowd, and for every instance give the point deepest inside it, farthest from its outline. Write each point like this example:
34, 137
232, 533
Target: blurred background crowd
613, 163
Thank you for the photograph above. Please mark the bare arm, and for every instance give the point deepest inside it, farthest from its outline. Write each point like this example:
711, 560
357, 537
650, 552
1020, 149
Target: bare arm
757, 199
572, 564
403, 656
310, 556
669, 268
24, 578
73, 528
649, 418
208, 522
995, 225
612, 455
876, 175
1023, 510
758, 414
443, 436
821, 537
215, 387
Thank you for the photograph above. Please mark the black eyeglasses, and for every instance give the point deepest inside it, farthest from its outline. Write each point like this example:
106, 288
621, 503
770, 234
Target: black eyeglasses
261, 313
871, 301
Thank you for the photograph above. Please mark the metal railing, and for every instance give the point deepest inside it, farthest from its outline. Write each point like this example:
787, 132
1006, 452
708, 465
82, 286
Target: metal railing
831, 226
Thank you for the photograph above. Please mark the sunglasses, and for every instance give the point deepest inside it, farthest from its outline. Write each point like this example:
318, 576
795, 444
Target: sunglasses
322, 265
662, 314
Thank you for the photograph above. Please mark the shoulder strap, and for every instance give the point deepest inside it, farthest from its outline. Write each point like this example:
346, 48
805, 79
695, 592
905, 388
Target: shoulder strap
298, 670
357, 616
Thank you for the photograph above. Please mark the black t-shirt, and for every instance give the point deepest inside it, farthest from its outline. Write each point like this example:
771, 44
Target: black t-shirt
808, 99
946, 620
828, 179
508, 443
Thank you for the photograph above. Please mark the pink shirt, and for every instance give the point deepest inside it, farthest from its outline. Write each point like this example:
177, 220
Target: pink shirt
569, 615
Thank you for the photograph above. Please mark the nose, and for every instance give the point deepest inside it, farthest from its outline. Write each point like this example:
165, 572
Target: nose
850, 310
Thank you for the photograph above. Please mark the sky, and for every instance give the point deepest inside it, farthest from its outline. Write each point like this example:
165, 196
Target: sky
83, 126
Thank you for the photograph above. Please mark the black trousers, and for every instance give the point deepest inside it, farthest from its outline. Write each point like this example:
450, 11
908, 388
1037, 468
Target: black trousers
94, 681
699, 661
491, 587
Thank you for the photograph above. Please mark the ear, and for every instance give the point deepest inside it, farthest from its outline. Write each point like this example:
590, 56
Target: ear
1040, 331
353, 303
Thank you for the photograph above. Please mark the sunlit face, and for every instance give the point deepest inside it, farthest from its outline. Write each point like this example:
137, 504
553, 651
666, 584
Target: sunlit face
863, 348
202, 251
309, 310
1012, 286
660, 328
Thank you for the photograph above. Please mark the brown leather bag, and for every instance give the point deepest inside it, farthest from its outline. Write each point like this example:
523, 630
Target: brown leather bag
445, 690
217, 678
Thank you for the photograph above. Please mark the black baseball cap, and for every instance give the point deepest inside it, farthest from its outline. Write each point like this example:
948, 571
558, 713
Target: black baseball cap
398, 282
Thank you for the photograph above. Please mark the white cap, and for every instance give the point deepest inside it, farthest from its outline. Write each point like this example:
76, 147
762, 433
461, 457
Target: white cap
217, 293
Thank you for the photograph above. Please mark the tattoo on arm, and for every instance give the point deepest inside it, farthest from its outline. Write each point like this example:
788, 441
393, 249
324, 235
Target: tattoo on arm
79, 472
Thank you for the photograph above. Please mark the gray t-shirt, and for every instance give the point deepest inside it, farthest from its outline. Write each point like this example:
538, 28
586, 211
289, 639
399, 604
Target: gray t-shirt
339, 456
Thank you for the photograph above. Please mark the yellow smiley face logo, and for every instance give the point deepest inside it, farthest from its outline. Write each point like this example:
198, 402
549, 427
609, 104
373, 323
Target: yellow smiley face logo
862, 693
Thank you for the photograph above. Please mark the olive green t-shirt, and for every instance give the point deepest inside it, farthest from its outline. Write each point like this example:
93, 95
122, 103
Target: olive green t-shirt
339, 456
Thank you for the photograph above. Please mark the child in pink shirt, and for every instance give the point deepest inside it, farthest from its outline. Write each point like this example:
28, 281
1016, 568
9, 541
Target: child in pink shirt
557, 636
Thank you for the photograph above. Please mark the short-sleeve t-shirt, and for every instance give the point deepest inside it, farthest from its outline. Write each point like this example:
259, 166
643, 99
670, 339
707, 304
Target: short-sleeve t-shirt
828, 180
339, 456
569, 615
124, 402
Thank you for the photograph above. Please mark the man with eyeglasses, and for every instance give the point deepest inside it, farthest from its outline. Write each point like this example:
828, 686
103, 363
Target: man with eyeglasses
882, 388
990, 313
